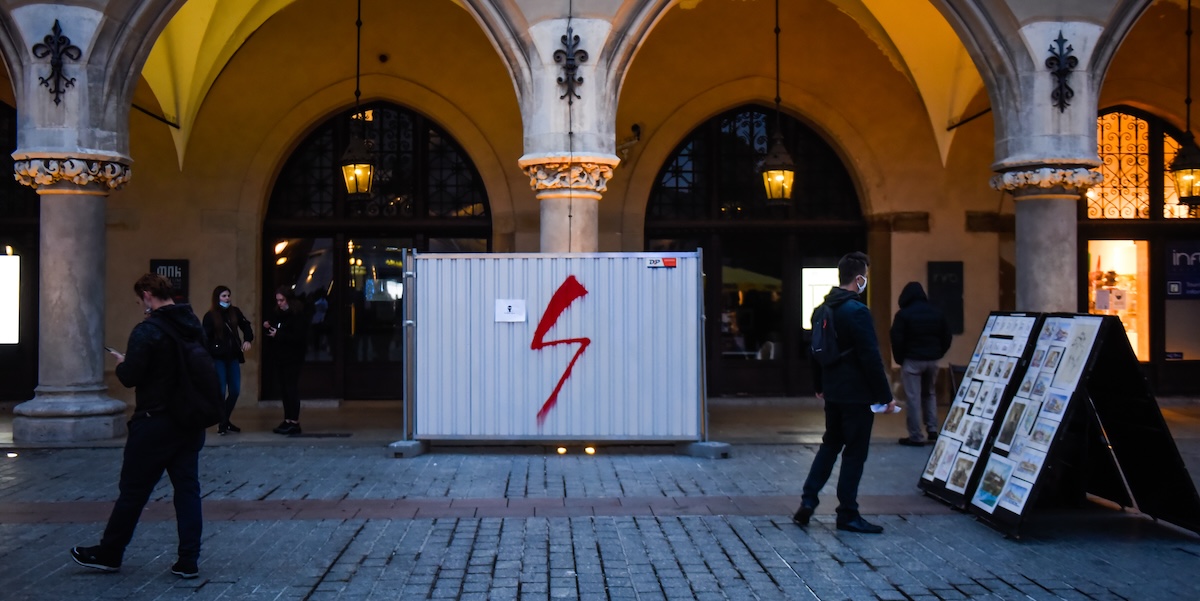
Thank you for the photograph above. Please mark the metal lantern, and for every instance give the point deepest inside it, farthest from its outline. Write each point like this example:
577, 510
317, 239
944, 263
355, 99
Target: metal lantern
778, 171
1186, 166
357, 168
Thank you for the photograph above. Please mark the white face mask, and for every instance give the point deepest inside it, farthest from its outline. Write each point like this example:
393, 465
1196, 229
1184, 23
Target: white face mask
224, 305
863, 285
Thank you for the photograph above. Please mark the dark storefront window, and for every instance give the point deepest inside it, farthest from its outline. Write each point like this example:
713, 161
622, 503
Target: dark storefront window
709, 195
19, 219
344, 256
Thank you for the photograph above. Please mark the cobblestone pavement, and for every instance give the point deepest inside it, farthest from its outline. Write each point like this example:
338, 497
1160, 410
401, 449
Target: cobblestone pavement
346, 521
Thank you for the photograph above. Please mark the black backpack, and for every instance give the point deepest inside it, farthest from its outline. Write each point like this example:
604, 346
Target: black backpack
824, 344
197, 403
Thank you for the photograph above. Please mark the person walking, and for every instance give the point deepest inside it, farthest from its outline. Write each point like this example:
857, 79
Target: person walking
849, 386
287, 333
920, 338
155, 442
229, 335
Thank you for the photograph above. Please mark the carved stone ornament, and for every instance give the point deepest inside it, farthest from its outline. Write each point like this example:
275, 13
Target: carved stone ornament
568, 175
1047, 178
108, 175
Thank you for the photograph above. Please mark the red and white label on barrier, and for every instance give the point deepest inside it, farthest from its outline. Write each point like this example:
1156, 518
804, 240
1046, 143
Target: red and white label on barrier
667, 262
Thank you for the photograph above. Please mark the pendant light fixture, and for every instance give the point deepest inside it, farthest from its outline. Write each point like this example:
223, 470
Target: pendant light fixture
1185, 168
357, 166
777, 168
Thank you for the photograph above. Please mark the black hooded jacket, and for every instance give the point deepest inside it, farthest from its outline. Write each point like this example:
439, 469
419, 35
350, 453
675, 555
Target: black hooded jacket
151, 360
919, 330
858, 377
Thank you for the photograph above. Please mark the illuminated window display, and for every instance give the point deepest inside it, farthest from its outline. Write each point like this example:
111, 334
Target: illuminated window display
1118, 278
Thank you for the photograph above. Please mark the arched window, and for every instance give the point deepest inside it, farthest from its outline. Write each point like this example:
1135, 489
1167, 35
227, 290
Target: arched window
712, 176
343, 256
421, 173
1131, 224
764, 261
1136, 150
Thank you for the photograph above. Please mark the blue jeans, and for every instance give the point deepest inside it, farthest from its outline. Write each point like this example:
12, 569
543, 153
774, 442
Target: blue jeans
229, 373
847, 432
156, 444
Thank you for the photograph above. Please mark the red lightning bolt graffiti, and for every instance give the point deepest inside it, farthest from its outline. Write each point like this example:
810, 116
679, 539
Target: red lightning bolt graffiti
566, 294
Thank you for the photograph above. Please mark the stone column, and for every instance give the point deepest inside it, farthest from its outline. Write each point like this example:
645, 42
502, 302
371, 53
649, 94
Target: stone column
74, 65
569, 191
568, 111
70, 402
1047, 205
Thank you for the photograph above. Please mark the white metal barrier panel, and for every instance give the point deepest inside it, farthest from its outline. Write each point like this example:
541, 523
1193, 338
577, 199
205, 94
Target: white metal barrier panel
604, 346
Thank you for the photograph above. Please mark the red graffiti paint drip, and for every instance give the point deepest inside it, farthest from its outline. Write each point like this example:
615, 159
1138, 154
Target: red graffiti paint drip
566, 294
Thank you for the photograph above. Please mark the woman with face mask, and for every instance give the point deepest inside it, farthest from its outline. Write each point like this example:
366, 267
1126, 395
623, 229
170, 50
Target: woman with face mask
222, 325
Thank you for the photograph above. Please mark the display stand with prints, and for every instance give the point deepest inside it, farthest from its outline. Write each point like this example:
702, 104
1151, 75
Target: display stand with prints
995, 371
1077, 418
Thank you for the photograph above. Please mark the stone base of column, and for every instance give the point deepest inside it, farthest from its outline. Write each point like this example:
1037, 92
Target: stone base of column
57, 416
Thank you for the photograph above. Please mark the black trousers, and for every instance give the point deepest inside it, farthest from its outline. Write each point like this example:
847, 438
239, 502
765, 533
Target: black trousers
155, 444
848, 432
289, 390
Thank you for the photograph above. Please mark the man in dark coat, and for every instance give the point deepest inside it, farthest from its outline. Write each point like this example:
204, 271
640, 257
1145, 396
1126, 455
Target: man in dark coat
920, 338
849, 387
155, 443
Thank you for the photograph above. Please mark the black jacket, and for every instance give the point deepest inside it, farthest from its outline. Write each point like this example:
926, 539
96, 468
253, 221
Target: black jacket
151, 360
858, 377
291, 336
919, 330
225, 344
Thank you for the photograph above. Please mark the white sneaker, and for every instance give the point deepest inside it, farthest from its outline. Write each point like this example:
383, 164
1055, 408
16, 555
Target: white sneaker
883, 408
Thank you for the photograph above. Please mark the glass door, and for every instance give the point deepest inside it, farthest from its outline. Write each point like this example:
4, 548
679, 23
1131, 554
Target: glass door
372, 321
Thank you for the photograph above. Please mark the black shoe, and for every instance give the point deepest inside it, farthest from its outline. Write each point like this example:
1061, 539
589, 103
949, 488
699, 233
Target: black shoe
908, 442
803, 515
95, 558
186, 569
288, 429
232, 428
932, 436
860, 525
222, 431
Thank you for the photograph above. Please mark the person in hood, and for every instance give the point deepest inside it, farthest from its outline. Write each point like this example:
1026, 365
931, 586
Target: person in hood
920, 338
155, 442
849, 387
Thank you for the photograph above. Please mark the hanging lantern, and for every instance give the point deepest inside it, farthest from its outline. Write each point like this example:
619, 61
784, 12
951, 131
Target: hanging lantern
778, 171
777, 168
357, 168
1185, 169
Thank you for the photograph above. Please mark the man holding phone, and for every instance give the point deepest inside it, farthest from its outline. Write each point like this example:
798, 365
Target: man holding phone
156, 443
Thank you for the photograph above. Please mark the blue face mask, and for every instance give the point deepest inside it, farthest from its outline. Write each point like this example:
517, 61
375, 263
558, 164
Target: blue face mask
224, 305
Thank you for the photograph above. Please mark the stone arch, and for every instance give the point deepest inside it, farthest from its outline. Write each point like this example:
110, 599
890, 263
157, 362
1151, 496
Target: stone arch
856, 152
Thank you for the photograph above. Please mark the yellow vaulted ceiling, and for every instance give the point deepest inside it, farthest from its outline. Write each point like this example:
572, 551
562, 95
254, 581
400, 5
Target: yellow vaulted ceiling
204, 35
921, 44
192, 51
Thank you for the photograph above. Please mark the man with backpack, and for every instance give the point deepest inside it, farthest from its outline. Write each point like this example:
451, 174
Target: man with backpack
848, 375
158, 439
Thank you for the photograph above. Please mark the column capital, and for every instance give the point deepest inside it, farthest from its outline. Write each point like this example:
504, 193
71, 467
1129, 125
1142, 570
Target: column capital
71, 174
555, 176
1047, 180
